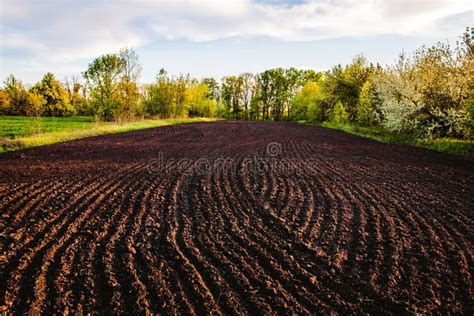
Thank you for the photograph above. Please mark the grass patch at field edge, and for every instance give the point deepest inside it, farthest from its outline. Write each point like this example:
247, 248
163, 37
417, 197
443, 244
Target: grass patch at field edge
451, 146
24, 132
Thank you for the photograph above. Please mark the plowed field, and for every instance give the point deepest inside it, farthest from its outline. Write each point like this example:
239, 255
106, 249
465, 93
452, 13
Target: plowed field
235, 218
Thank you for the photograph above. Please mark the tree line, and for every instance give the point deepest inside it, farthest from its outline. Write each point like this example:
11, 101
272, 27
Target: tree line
429, 93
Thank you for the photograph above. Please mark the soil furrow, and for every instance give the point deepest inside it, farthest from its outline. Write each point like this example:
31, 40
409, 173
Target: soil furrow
295, 220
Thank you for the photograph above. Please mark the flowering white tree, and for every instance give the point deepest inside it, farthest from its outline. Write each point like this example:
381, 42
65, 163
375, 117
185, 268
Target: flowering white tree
425, 94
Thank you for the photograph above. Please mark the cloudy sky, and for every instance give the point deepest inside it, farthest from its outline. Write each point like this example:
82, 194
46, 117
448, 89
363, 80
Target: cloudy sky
218, 38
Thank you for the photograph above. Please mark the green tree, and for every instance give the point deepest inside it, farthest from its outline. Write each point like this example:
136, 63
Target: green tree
55, 95
344, 84
339, 113
279, 85
470, 113
232, 95
79, 102
129, 83
275, 90
18, 97
367, 109
76, 94
4, 102
197, 102
293, 80
270, 83
104, 75
179, 89
307, 104
159, 99
248, 90
36, 104
169, 97
213, 88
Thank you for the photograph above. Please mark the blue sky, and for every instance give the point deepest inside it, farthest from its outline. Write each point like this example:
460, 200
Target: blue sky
218, 38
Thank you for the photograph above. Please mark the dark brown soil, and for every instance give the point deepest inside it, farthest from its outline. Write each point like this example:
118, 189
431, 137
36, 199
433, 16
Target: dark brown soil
145, 222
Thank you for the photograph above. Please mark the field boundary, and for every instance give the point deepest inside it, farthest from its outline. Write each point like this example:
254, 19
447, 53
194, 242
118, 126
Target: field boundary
450, 146
95, 129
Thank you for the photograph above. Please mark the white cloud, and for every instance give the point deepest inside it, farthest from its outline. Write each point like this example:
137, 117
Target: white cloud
65, 31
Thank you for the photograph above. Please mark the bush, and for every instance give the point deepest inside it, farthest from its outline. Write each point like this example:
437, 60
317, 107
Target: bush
451, 123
